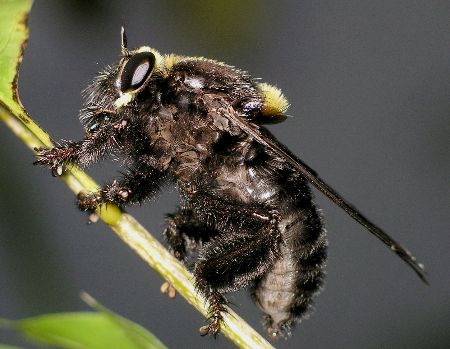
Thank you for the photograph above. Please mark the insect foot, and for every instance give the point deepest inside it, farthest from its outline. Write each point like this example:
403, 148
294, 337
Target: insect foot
52, 158
213, 328
88, 201
216, 309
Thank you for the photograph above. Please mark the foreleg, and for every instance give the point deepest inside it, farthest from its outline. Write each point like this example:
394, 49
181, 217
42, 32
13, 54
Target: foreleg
83, 153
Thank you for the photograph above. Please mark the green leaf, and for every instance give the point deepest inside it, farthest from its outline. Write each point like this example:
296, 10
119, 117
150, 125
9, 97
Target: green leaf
13, 39
87, 330
14, 33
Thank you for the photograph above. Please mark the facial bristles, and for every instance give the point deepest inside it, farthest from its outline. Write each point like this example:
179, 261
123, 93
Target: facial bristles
274, 103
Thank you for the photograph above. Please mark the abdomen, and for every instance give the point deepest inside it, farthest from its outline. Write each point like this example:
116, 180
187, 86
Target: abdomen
286, 291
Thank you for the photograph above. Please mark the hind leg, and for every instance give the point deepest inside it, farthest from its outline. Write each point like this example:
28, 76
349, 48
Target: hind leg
231, 262
247, 245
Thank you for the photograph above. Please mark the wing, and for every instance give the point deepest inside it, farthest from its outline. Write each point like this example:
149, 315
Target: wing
266, 139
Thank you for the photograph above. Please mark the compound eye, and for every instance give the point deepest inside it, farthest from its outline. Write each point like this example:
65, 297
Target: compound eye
136, 71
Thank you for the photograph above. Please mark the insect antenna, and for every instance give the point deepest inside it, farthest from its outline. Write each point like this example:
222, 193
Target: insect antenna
123, 39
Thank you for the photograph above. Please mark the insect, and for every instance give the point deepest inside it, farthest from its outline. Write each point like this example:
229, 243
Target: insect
246, 207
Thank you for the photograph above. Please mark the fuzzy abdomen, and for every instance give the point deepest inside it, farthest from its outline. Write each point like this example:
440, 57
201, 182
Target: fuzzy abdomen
285, 292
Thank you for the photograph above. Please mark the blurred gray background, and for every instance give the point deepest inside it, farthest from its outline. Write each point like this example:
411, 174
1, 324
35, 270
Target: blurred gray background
369, 86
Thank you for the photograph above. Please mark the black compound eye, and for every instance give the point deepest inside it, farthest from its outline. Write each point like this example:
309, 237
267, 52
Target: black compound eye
136, 71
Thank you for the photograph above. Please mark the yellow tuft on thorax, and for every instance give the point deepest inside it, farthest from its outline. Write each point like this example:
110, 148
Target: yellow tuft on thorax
170, 60
274, 103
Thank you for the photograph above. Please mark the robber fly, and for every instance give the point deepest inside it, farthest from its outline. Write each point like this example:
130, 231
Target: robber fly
246, 207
